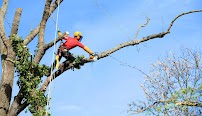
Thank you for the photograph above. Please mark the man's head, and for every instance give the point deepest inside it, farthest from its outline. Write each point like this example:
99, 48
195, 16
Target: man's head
78, 35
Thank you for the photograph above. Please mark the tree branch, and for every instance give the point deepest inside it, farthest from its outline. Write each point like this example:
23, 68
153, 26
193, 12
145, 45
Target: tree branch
183, 103
171, 24
16, 22
102, 55
44, 19
141, 26
33, 33
49, 45
3, 10
131, 43
108, 52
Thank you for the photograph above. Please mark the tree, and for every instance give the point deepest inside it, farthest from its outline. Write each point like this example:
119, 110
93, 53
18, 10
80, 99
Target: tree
173, 86
16, 57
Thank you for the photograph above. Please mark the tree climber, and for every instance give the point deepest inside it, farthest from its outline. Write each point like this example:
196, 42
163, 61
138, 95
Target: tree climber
70, 43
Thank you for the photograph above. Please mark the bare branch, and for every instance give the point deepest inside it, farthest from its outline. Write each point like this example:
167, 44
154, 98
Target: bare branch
33, 33
45, 17
3, 10
47, 46
16, 21
185, 13
4, 7
141, 26
143, 109
183, 103
131, 43
103, 54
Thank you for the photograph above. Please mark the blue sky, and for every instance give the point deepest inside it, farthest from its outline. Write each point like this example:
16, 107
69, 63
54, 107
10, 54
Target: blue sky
105, 87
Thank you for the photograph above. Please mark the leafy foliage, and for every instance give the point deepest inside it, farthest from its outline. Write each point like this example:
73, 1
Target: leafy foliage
30, 75
78, 62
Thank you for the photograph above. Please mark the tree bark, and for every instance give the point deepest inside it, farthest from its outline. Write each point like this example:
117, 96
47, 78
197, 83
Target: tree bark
16, 22
7, 78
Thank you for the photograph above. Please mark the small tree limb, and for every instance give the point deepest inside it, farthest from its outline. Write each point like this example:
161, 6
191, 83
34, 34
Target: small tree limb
34, 32
185, 13
40, 51
16, 22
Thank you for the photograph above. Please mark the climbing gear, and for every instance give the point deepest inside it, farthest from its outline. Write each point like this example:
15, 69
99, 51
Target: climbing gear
60, 33
63, 52
49, 87
94, 56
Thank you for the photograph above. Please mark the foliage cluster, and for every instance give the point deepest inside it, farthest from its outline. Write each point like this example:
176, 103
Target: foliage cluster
78, 62
29, 77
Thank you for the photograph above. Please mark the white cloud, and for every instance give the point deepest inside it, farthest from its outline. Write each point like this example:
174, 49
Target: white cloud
64, 107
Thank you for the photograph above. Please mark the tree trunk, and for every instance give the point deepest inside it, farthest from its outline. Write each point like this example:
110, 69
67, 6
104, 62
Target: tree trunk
16, 106
7, 57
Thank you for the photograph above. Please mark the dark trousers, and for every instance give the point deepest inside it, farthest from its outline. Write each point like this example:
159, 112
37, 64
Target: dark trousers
64, 52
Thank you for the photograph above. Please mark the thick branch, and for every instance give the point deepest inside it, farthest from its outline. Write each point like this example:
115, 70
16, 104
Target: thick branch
190, 103
108, 52
63, 68
33, 33
131, 43
16, 21
102, 55
3, 10
44, 19
4, 7
183, 103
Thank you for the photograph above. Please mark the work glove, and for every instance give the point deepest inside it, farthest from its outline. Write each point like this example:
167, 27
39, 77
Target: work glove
66, 32
91, 56
94, 56
59, 33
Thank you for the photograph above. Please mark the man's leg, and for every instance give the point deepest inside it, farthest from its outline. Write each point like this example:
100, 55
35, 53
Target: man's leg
59, 56
69, 57
65, 53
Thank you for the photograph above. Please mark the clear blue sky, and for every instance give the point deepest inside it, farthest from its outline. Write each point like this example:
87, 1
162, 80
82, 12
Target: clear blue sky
105, 87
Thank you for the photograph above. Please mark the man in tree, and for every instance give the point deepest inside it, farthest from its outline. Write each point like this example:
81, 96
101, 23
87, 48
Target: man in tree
70, 42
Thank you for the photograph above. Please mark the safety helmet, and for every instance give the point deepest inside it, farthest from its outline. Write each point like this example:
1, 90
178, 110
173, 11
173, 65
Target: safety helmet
77, 33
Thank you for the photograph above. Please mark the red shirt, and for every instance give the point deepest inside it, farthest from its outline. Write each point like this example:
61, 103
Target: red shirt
72, 42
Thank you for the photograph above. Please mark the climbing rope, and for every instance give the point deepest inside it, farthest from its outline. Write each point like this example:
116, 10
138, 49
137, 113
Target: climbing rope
53, 58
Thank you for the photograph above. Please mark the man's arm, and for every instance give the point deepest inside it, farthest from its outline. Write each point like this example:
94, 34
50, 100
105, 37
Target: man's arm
88, 50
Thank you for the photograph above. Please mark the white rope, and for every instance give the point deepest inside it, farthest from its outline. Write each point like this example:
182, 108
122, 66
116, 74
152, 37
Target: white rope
53, 58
